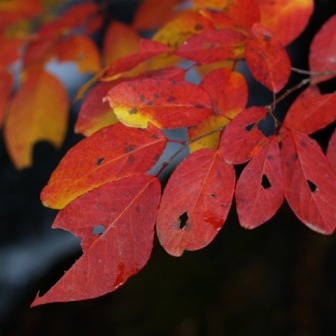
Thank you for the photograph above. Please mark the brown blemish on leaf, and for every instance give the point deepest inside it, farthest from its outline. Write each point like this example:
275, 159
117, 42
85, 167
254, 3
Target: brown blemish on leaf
133, 111
99, 161
129, 148
170, 99
198, 27
142, 97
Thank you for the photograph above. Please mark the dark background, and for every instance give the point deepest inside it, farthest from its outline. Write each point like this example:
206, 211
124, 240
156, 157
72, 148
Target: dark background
279, 279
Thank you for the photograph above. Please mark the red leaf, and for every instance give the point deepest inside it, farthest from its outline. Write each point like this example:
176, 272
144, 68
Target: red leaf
213, 46
287, 19
164, 103
331, 151
267, 60
6, 83
202, 187
147, 50
322, 55
126, 210
241, 139
95, 114
310, 183
260, 187
311, 111
10, 50
112, 153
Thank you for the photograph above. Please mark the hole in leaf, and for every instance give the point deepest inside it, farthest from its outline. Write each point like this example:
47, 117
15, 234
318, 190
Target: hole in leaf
183, 220
99, 161
312, 186
98, 230
249, 127
265, 182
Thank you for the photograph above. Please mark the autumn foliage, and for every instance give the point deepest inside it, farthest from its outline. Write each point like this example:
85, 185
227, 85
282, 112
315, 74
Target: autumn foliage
141, 87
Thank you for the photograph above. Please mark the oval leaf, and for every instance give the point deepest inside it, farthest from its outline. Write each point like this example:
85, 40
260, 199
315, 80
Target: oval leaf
38, 112
267, 60
260, 187
164, 103
311, 111
241, 139
110, 154
195, 202
125, 212
310, 183
322, 54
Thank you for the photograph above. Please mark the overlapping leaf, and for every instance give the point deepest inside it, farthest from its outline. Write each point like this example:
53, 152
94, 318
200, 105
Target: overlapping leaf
260, 187
112, 153
126, 210
213, 46
287, 19
242, 139
38, 112
6, 83
331, 151
322, 52
195, 202
310, 183
81, 50
311, 111
228, 90
267, 60
162, 102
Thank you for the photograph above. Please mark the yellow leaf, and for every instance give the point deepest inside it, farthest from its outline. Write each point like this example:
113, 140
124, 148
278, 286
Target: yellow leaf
38, 112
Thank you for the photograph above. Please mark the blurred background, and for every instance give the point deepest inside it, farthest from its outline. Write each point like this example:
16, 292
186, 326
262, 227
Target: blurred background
279, 279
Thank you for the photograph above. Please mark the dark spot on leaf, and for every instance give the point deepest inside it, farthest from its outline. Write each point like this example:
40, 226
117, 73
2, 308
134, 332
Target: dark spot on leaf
312, 186
149, 102
171, 99
156, 95
157, 157
200, 106
294, 157
142, 97
174, 83
99, 161
267, 38
129, 148
265, 182
213, 195
133, 111
98, 230
130, 159
303, 144
155, 137
249, 127
137, 209
198, 26
183, 220
269, 157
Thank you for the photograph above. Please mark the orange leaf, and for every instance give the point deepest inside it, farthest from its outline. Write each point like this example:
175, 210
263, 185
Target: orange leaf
82, 50
195, 202
119, 40
311, 111
242, 139
38, 112
213, 46
287, 19
112, 153
322, 55
6, 84
310, 183
152, 13
95, 114
162, 102
125, 211
260, 187
267, 60
183, 26
39, 51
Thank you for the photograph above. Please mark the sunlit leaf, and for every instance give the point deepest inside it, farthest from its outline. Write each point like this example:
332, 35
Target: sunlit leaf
126, 211
311, 111
322, 54
267, 60
310, 182
260, 187
112, 153
161, 102
287, 19
195, 202
81, 50
38, 112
